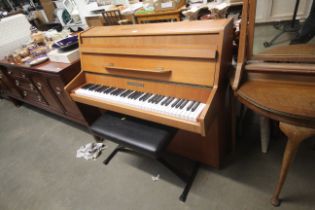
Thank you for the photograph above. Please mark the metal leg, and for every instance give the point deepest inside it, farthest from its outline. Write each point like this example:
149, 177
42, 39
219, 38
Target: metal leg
117, 149
189, 183
177, 172
268, 44
109, 158
188, 179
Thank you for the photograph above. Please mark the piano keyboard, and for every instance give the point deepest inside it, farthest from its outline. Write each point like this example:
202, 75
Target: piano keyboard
166, 105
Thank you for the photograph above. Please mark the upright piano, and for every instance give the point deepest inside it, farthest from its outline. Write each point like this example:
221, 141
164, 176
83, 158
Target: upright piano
169, 73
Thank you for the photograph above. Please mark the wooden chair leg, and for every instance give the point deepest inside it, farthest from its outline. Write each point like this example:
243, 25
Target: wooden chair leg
264, 133
295, 136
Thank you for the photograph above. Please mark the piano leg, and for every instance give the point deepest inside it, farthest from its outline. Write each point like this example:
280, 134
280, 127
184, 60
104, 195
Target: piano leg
295, 136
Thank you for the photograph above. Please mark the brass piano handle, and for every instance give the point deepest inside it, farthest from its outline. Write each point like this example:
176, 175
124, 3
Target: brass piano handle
159, 70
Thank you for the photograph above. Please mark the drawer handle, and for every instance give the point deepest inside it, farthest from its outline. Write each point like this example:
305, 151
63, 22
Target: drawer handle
24, 93
17, 82
39, 98
9, 72
159, 70
23, 75
31, 86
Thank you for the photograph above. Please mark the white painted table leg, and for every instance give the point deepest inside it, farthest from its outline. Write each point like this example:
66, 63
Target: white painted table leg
264, 133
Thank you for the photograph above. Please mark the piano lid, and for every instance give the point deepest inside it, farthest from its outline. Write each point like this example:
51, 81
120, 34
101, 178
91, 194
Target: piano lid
185, 27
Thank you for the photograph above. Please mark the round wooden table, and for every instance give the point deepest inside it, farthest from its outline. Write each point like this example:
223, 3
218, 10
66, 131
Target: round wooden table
292, 103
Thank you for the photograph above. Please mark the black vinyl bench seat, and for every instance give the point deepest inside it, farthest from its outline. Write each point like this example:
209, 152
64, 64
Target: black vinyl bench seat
140, 136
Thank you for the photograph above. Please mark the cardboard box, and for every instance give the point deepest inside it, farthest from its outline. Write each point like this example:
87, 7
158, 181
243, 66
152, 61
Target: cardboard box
64, 57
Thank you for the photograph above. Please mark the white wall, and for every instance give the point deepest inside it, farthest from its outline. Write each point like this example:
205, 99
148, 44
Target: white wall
276, 10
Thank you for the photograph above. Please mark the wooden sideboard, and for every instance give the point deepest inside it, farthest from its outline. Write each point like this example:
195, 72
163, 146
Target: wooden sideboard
42, 86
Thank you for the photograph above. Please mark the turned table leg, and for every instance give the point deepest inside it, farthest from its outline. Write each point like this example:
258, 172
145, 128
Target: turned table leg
295, 136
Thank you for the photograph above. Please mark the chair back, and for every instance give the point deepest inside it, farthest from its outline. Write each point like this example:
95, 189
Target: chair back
112, 17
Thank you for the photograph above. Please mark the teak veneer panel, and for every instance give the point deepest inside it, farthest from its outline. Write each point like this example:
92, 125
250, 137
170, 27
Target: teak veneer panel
184, 27
190, 71
168, 89
190, 46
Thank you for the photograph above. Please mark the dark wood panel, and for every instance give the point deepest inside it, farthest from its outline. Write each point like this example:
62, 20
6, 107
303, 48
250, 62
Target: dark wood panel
43, 87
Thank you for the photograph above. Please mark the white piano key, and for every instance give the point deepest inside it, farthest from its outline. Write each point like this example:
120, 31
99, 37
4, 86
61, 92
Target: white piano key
144, 105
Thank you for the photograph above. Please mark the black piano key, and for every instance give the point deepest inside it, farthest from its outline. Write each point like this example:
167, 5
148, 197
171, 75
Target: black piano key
93, 87
143, 97
148, 97
112, 90
176, 102
136, 95
183, 104
165, 100
108, 90
157, 99
126, 93
152, 98
169, 101
99, 89
191, 105
139, 94
115, 91
195, 106
87, 86
179, 103
132, 94
104, 91
161, 99
122, 93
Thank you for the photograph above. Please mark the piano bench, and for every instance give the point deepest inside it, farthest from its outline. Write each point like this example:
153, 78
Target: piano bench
140, 137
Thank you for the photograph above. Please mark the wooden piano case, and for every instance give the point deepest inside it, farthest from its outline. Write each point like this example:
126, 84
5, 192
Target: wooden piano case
187, 60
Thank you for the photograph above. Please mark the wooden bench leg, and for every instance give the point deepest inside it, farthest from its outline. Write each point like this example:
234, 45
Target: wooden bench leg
295, 136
